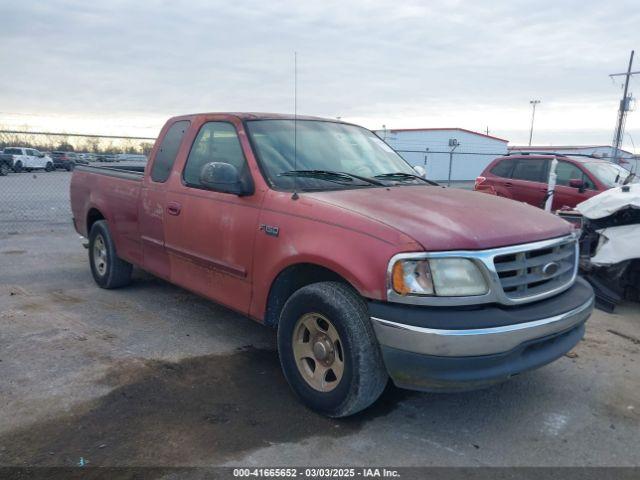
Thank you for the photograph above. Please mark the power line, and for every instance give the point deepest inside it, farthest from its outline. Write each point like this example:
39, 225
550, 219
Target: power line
60, 134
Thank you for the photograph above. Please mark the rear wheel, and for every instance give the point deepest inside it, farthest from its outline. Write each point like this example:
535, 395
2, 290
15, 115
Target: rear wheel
109, 270
328, 350
17, 167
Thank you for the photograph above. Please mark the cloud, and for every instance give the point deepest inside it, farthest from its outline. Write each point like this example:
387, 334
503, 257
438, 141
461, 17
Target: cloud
400, 63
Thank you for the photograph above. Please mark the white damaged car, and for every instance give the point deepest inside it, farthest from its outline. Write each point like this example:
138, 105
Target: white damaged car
611, 243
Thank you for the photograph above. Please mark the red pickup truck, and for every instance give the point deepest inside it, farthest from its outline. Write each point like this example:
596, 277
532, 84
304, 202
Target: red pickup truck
319, 229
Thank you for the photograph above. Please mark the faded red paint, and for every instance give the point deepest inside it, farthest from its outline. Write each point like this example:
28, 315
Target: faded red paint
214, 246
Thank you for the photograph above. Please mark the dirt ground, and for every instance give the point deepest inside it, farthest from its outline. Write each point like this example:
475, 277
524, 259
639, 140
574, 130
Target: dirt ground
153, 375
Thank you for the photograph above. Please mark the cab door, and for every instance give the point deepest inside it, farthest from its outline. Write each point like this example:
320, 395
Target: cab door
209, 234
31, 159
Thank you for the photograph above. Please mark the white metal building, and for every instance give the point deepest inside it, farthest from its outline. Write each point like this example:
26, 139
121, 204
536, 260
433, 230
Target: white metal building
430, 148
627, 159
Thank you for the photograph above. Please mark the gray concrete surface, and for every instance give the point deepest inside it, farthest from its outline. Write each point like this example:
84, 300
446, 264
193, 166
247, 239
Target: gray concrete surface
37, 201
34, 202
153, 375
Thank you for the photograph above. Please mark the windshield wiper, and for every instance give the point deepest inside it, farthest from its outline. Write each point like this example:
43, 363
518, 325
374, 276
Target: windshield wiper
407, 176
330, 175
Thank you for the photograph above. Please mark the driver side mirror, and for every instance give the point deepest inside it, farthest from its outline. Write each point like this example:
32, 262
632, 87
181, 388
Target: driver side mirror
224, 177
577, 183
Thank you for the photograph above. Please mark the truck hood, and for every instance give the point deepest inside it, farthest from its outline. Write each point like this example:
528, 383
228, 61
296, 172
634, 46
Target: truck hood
449, 219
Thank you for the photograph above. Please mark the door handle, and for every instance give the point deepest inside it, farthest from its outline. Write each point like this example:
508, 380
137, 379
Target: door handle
174, 208
508, 184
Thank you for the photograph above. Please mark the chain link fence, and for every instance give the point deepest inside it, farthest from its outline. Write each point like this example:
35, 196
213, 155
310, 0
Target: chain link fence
37, 201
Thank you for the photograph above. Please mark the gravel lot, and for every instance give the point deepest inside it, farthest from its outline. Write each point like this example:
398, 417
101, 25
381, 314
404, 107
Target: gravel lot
153, 375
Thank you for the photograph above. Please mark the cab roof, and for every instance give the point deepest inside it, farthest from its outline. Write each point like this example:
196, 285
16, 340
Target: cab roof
260, 116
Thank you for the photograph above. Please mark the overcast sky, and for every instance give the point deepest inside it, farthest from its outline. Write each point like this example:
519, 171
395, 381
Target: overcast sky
124, 67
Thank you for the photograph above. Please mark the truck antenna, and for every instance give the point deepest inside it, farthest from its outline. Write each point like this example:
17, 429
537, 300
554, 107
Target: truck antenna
295, 125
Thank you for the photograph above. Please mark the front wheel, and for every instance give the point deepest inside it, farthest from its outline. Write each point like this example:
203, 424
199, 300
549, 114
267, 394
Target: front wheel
17, 167
328, 350
109, 270
48, 167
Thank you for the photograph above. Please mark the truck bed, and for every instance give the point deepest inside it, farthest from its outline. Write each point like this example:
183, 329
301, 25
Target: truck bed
130, 172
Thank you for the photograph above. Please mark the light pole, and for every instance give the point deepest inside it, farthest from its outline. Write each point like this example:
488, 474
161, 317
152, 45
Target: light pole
453, 143
533, 116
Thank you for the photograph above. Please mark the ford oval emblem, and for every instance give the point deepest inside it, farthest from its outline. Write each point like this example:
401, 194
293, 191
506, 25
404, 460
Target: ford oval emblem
550, 268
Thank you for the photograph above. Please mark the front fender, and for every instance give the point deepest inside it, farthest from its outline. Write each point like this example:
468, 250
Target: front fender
360, 258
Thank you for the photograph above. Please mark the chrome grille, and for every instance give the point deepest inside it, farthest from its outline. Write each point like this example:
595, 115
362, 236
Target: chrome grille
534, 272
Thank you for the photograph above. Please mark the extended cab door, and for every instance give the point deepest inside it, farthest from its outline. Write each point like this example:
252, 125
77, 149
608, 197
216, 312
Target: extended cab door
152, 206
529, 181
209, 234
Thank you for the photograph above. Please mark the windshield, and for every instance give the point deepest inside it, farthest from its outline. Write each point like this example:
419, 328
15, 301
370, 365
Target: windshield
322, 147
610, 174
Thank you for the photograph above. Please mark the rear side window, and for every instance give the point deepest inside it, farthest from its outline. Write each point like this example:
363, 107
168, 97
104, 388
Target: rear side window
503, 168
216, 142
534, 170
168, 150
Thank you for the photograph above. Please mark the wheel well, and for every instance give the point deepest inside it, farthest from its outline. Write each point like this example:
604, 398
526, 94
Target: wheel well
290, 280
92, 217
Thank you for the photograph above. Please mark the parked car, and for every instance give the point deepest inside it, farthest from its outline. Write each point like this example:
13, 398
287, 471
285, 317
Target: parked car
106, 157
130, 157
367, 270
524, 177
66, 160
6, 163
88, 157
29, 159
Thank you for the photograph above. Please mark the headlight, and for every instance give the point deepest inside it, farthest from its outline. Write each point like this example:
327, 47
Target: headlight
447, 277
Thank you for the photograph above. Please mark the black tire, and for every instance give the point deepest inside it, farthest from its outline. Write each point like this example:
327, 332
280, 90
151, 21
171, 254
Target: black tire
70, 166
364, 375
48, 167
17, 167
4, 170
109, 271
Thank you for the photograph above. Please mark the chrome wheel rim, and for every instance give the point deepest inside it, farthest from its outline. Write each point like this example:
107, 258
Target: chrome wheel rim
100, 255
318, 352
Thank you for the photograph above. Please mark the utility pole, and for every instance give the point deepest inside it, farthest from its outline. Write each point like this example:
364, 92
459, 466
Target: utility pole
625, 105
533, 116
453, 143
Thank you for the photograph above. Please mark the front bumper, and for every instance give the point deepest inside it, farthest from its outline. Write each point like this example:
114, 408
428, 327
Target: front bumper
481, 346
